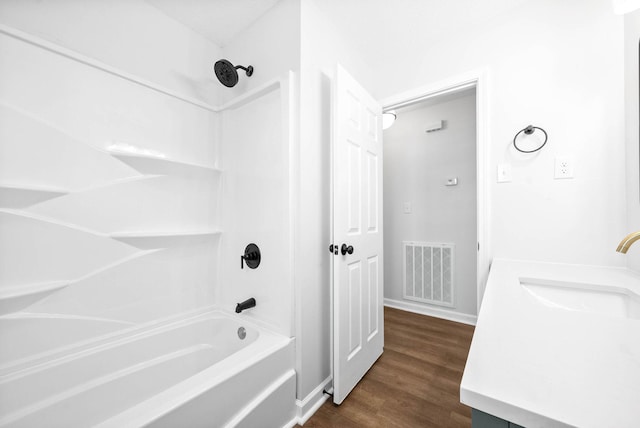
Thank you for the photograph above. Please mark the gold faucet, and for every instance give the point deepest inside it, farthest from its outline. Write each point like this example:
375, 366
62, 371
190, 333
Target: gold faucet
628, 242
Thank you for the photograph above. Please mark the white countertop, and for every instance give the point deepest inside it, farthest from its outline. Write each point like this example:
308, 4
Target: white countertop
540, 366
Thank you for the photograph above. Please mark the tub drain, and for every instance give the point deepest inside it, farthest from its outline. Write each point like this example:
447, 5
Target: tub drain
242, 333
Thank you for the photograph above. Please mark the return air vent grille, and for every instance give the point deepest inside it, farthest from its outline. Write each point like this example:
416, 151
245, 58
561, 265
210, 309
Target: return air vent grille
428, 272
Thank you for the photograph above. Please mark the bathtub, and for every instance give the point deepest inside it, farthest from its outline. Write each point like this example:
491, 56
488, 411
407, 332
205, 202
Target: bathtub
208, 370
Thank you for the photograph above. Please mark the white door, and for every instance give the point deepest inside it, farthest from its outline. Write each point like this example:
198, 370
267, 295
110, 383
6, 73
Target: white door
358, 332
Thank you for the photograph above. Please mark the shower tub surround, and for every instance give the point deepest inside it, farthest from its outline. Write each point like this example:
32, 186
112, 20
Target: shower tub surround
557, 345
210, 369
117, 210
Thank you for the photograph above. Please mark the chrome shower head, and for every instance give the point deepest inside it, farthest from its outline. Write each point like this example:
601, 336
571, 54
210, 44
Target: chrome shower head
227, 73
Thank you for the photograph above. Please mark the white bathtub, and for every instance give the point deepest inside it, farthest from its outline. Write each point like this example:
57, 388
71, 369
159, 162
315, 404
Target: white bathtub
194, 372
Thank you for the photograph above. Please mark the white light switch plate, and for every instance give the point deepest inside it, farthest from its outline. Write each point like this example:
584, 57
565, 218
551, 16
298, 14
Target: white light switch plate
406, 207
504, 173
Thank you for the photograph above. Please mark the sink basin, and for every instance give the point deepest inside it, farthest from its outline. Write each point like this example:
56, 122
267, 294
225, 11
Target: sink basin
596, 299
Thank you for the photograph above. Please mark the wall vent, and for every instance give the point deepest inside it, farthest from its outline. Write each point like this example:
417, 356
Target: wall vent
428, 272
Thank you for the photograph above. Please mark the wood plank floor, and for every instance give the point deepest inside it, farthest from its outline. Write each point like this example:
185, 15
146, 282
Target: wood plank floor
415, 383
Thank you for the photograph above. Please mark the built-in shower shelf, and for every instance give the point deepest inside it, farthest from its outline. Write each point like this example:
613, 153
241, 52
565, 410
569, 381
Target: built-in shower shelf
17, 297
23, 195
151, 240
156, 163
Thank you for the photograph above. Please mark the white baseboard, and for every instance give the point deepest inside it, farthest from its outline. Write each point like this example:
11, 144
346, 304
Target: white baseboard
431, 311
292, 423
312, 402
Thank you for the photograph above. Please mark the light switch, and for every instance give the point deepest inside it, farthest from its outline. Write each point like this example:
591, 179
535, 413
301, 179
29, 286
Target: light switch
504, 173
406, 207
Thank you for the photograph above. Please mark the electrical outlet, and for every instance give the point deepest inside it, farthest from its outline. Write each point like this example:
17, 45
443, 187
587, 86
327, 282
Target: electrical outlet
564, 167
504, 173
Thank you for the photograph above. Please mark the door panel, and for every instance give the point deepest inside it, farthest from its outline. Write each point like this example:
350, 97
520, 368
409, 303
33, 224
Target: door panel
372, 192
354, 308
373, 302
353, 197
357, 222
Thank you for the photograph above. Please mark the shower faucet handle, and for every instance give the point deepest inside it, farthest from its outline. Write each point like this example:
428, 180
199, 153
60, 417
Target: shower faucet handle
251, 256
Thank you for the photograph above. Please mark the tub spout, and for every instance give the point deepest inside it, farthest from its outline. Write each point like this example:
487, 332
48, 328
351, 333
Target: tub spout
249, 303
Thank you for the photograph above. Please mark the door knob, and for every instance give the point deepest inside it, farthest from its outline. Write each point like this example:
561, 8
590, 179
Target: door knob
346, 249
333, 249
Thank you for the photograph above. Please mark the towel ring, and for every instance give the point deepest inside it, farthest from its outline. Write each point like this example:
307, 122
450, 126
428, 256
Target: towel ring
528, 131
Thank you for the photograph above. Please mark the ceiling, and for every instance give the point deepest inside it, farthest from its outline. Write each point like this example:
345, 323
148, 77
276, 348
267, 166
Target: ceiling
205, 17
383, 30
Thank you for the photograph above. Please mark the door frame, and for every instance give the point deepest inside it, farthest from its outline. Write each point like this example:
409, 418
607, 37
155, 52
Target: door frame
479, 80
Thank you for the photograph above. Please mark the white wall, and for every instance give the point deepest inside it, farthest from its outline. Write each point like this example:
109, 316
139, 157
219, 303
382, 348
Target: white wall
557, 65
632, 36
416, 167
59, 116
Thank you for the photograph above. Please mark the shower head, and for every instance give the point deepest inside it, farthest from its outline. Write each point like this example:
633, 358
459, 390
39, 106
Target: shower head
227, 74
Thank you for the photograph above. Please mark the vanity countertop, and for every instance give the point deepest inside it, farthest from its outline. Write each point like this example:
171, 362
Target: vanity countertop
536, 364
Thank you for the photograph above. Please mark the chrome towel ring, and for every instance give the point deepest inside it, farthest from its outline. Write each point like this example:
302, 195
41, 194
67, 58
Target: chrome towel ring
528, 131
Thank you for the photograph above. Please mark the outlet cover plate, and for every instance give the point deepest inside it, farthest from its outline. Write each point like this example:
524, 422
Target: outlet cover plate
563, 167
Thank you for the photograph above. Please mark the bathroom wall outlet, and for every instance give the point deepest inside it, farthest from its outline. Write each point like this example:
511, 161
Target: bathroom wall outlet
504, 173
406, 207
564, 167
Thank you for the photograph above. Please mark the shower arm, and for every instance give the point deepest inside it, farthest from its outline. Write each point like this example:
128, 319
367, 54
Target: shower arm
248, 70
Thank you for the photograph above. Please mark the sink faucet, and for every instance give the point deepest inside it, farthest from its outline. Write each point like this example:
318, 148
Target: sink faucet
628, 242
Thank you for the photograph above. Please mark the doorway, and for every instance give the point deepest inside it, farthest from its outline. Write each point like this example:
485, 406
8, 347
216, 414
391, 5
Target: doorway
357, 322
433, 201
